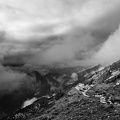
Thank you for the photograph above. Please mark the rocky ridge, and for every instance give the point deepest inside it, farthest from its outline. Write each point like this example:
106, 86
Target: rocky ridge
94, 96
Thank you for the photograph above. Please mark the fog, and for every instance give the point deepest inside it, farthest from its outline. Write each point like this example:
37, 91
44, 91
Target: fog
110, 50
10, 80
67, 32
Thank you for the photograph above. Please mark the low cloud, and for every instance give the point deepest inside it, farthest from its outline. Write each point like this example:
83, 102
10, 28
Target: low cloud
65, 31
110, 50
10, 80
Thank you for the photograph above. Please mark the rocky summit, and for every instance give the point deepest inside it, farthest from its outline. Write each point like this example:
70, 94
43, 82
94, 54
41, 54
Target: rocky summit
95, 95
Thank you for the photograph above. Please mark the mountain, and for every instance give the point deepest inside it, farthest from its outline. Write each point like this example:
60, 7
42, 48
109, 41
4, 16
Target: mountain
40, 81
94, 96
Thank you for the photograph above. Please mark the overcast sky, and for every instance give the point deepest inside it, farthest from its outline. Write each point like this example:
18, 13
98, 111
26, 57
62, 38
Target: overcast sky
60, 31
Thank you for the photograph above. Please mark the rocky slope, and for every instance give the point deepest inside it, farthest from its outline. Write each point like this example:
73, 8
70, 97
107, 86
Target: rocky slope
40, 81
94, 96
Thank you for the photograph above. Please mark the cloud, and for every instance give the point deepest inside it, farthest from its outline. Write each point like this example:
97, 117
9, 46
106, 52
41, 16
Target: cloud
10, 80
109, 52
68, 48
63, 31
43, 17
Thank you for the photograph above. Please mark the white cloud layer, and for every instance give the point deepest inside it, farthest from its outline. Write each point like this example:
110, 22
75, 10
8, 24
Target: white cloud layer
110, 51
58, 30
